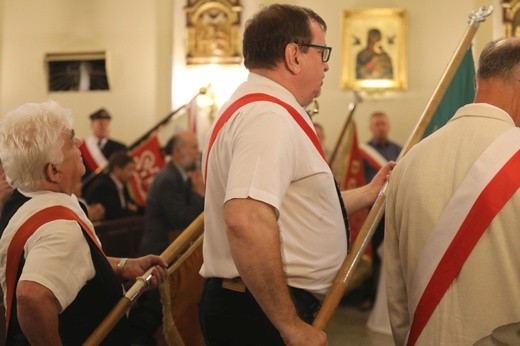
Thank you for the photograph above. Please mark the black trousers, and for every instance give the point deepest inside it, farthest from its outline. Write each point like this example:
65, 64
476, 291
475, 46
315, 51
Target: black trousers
228, 317
146, 318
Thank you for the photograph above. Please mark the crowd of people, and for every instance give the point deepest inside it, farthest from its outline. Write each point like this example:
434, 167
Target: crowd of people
276, 223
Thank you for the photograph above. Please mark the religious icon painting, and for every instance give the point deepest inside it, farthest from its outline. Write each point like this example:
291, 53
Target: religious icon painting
213, 29
374, 49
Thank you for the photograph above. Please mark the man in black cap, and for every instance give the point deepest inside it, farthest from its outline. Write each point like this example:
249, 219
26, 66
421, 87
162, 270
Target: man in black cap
97, 149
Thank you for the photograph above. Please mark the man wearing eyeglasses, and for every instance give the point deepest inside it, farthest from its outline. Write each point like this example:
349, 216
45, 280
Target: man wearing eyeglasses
275, 230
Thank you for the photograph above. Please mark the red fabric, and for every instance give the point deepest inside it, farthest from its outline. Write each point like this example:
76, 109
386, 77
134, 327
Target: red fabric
255, 97
489, 203
371, 161
15, 249
87, 157
355, 177
148, 161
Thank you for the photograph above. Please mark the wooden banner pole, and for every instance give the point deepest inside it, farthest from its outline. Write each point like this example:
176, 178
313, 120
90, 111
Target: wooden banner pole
344, 275
172, 252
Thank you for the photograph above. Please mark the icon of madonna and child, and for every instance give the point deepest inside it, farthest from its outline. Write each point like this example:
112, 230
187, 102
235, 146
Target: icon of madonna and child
373, 62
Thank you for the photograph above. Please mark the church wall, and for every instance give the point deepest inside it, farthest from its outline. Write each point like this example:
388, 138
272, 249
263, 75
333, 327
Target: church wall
145, 41
136, 36
434, 31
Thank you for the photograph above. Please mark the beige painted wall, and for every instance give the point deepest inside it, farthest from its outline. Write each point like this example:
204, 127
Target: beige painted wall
135, 34
145, 39
434, 31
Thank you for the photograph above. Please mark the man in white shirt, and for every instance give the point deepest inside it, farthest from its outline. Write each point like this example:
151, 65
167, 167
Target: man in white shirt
275, 232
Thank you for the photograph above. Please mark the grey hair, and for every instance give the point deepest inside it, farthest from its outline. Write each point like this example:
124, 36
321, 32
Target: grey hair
501, 59
30, 138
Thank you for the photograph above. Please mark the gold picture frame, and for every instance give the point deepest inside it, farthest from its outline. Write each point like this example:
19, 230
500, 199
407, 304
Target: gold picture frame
511, 17
213, 28
374, 49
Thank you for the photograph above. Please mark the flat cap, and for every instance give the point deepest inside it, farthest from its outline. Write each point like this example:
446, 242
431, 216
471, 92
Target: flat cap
100, 114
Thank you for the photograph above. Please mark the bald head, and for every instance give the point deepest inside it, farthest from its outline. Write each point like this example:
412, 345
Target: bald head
498, 76
184, 150
500, 59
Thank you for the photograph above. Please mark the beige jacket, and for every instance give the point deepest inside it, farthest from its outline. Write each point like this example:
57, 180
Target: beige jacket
485, 294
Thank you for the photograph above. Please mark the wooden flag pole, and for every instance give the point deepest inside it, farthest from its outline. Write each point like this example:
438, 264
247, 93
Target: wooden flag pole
172, 116
176, 249
351, 108
344, 275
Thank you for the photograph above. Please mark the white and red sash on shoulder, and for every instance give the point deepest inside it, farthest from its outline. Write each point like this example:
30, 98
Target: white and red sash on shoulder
488, 186
255, 97
372, 156
92, 154
15, 250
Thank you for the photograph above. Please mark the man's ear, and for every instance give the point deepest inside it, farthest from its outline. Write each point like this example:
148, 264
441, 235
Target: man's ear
52, 174
292, 58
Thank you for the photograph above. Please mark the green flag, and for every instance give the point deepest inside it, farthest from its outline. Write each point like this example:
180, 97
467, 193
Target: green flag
460, 92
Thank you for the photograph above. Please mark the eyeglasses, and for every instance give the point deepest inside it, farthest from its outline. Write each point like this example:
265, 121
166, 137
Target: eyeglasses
325, 51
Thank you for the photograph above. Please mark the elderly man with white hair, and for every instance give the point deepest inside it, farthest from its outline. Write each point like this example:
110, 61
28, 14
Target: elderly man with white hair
58, 284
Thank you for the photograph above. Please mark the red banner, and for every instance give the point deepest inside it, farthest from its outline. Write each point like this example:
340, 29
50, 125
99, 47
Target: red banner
148, 161
355, 177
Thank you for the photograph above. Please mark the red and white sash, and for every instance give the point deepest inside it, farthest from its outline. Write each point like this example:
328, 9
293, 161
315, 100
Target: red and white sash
15, 250
298, 117
255, 97
489, 184
92, 155
372, 156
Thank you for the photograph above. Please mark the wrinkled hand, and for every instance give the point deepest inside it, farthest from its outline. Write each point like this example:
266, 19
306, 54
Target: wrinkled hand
136, 267
382, 176
302, 333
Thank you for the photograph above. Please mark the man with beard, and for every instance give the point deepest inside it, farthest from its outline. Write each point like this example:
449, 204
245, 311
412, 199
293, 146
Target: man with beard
175, 199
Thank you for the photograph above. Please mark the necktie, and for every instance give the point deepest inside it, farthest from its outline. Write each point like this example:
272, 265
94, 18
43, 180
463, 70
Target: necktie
344, 213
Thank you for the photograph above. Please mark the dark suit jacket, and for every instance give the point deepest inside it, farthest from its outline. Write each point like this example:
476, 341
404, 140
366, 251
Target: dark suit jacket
171, 205
103, 190
109, 148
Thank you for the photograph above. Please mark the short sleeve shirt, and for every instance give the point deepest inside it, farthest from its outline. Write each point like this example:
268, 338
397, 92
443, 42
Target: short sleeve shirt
263, 154
57, 255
